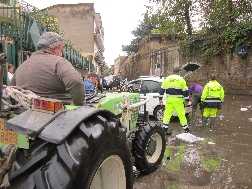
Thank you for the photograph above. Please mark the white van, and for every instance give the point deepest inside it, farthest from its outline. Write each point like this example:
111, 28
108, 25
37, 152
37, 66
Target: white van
150, 86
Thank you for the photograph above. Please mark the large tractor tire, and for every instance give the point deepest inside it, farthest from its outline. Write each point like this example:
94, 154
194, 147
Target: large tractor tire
94, 156
148, 148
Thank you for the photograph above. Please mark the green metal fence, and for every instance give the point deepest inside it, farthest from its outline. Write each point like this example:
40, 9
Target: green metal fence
22, 23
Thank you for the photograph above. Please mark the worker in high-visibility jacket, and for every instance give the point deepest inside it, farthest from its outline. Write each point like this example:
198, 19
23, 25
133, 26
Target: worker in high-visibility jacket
176, 92
211, 99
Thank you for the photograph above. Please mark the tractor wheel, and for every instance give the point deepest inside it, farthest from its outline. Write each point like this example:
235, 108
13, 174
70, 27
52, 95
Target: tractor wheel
95, 156
159, 113
148, 148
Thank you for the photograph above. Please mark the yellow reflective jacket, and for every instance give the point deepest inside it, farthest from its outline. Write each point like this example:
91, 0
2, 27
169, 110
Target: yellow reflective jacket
212, 90
174, 85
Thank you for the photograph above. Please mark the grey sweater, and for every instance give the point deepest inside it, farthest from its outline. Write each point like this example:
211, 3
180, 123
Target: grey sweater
48, 75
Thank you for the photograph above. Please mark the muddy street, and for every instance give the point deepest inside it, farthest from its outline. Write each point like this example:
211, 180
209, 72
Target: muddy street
222, 160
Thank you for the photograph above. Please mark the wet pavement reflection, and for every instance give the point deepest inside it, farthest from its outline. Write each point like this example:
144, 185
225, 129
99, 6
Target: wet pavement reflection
223, 160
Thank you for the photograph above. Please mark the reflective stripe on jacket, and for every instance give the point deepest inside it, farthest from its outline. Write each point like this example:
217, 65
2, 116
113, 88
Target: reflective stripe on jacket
213, 91
174, 85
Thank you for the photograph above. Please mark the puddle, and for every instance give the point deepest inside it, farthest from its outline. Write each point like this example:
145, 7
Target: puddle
223, 160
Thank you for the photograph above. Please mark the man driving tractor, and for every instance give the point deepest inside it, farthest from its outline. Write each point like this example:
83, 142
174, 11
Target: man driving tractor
47, 73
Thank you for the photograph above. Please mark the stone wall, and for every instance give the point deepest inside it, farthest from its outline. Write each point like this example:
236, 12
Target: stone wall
234, 73
142, 62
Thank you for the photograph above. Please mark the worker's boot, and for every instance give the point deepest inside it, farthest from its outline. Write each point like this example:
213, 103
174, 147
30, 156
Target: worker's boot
167, 129
205, 122
186, 129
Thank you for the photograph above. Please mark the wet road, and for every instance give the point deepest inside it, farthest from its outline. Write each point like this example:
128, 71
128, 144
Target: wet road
228, 149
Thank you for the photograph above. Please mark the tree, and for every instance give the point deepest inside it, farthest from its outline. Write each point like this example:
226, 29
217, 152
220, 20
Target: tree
177, 11
106, 70
225, 25
230, 20
142, 30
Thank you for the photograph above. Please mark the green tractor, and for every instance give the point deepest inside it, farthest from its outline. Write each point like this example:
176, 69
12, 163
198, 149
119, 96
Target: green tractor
50, 145
146, 138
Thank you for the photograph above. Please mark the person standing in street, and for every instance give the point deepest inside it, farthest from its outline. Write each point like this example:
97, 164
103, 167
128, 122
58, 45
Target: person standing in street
212, 98
176, 91
195, 90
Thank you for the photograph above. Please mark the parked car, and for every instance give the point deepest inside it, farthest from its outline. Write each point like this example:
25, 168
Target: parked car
149, 86
116, 82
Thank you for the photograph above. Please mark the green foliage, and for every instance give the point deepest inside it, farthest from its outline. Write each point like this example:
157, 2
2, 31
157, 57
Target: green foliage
211, 164
224, 25
227, 25
238, 35
175, 164
132, 47
168, 152
163, 24
47, 21
173, 186
106, 70
143, 29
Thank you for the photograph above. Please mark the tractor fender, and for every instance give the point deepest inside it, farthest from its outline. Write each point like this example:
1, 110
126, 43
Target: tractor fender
53, 128
63, 125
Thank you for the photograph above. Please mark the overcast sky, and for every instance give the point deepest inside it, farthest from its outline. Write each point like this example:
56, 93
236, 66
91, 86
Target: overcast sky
119, 18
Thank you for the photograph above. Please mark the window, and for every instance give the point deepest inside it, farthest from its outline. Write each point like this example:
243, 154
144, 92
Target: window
134, 86
150, 87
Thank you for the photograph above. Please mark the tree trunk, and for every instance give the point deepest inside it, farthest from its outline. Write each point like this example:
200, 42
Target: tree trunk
188, 18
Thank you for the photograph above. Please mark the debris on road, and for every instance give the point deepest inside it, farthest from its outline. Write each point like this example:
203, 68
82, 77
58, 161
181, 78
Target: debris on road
188, 137
244, 109
221, 117
211, 143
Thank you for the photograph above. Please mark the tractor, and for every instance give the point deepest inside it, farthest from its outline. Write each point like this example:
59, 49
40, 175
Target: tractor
146, 138
47, 144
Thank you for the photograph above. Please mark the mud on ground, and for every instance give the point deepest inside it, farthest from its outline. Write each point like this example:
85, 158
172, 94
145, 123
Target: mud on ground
222, 161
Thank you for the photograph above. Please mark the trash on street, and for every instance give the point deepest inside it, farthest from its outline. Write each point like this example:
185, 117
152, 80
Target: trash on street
188, 137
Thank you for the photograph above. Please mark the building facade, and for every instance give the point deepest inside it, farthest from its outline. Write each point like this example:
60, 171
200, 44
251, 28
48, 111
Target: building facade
118, 64
157, 55
82, 26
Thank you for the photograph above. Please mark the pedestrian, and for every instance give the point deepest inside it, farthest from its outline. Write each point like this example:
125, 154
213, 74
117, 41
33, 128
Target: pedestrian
176, 91
212, 98
195, 91
104, 83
